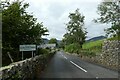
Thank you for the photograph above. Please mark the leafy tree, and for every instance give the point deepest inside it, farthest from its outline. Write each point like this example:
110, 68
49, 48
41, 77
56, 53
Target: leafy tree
0, 32
72, 48
19, 27
62, 44
110, 13
75, 29
53, 41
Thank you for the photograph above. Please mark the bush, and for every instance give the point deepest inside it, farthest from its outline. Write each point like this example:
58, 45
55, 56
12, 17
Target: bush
72, 48
43, 51
75, 48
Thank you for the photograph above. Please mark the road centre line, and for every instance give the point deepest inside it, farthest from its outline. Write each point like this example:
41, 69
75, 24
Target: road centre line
78, 66
96, 77
61, 54
65, 57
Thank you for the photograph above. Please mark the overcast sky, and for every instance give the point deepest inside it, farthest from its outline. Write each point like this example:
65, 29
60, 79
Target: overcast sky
54, 15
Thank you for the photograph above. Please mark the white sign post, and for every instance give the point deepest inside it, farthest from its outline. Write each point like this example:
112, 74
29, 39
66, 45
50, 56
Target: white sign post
27, 48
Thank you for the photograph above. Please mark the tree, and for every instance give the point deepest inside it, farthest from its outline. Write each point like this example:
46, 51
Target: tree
75, 29
110, 13
19, 27
53, 41
61, 44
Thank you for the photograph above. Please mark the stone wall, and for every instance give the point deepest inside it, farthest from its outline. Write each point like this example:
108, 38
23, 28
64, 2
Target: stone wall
109, 57
29, 68
110, 53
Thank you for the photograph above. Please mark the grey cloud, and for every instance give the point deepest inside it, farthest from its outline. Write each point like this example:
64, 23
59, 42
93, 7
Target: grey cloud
56, 10
95, 29
54, 15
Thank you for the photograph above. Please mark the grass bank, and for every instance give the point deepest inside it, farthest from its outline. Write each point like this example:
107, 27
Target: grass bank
93, 46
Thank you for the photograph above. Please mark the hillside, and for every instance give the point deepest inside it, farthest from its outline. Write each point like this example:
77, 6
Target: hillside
96, 38
46, 41
93, 46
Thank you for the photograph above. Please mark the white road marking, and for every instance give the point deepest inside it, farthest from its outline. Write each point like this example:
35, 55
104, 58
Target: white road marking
61, 54
78, 66
65, 57
96, 77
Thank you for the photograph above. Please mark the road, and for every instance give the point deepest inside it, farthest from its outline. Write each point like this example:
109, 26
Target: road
68, 66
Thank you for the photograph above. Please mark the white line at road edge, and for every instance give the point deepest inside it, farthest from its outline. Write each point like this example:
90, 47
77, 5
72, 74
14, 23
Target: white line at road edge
78, 66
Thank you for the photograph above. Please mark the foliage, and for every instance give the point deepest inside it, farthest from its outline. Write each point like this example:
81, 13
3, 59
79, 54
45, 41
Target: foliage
75, 48
113, 38
0, 17
110, 13
94, 46
75, 31
72, 48
53, 41
19, 27
62, 44
43, 51
0, 30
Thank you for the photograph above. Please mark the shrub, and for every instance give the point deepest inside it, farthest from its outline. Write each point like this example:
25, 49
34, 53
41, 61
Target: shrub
72, 48
75, 48
43, 51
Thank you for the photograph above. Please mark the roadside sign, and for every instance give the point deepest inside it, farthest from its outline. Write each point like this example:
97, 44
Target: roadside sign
27, 47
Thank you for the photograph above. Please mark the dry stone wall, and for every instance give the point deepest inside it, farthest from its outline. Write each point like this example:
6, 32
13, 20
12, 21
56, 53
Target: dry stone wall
27, 69
110, 53
109, 57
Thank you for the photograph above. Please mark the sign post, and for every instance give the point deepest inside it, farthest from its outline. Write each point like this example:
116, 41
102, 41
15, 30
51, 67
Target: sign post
22, 55
32, 54
27, 48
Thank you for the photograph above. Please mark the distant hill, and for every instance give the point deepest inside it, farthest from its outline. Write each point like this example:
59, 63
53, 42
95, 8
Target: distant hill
58, 41
97, 38
45, 41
